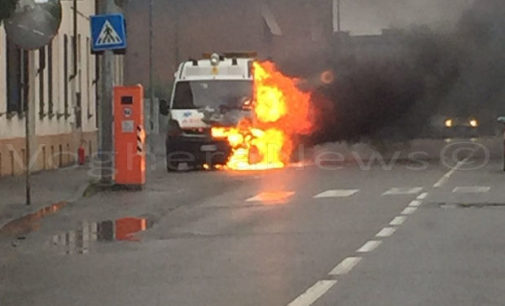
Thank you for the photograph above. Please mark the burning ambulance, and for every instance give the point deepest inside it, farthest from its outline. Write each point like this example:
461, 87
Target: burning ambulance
235, 112
213, 92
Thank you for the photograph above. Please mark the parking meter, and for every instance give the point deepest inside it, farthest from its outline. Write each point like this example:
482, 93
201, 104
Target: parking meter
129, 136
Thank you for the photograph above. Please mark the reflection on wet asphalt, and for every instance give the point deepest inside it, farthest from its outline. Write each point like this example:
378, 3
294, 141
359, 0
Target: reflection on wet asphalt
29, 223
272, 197
79, 241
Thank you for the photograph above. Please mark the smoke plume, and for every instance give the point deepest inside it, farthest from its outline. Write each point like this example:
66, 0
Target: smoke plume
394, 91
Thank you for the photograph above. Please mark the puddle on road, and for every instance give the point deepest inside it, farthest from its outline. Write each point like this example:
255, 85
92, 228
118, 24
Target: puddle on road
29, 223
79, 241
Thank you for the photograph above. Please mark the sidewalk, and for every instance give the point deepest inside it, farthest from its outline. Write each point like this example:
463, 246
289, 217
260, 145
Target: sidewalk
48, 187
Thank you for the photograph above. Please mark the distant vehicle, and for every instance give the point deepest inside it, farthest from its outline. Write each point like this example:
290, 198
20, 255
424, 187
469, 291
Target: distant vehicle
212, 92
460, 126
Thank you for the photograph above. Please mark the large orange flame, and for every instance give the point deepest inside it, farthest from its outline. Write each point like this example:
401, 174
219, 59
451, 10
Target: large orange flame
281, 111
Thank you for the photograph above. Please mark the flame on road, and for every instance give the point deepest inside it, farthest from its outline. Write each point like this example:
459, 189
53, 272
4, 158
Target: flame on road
280, 112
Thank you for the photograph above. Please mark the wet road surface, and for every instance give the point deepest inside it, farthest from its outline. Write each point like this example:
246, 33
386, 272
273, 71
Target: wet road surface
343, 234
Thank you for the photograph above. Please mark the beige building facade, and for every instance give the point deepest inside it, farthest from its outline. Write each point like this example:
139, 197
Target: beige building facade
62, 95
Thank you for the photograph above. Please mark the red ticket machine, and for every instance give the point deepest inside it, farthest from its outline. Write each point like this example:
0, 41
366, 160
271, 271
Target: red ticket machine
129, 136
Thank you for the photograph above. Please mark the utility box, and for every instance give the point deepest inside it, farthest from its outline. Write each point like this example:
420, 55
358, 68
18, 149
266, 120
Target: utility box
129, 136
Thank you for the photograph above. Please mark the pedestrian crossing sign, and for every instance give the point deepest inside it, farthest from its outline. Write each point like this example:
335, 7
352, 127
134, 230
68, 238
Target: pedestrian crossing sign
108, 32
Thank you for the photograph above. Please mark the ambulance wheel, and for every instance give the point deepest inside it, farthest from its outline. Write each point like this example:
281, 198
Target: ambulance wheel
172, 166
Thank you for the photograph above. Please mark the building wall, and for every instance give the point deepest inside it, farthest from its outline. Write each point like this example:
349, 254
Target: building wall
186, 29
304, 47
57, 134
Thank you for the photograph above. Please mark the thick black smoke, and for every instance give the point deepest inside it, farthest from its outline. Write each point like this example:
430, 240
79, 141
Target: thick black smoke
393, 92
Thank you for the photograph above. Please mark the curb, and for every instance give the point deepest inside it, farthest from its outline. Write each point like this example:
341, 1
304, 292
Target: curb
77, 195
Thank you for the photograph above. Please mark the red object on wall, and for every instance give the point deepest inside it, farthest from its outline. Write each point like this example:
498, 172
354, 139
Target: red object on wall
81, 154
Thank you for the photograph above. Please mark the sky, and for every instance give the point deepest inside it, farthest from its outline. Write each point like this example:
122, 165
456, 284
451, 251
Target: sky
370, 16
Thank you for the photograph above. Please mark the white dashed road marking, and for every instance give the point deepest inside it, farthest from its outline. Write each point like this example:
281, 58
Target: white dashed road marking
313, 293
369, 246
345, 266
398, 221
448, 175
341, 193
409, 210
403, 191
422, 196
386, 232
415, 203
472, 189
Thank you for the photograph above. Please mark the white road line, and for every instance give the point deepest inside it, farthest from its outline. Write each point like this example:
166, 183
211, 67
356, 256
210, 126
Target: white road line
422, 196
409, 210
415, 203
403, 191
471, 189
386, 232
345, 266
339, 193
313, 293
398, 221
369, 246
448, 175
281, 196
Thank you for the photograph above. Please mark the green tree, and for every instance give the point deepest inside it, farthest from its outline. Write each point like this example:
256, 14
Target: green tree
6, 8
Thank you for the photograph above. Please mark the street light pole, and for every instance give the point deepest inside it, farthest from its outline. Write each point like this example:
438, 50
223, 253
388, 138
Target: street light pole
151, 77
338, 16
337, 6
339, 25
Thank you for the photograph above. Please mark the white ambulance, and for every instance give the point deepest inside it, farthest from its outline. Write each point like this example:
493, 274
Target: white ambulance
214, 91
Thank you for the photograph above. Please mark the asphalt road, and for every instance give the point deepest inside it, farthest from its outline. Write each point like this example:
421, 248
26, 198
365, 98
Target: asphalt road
406, 231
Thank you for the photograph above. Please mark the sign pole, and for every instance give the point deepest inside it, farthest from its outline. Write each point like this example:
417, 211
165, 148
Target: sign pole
28, 157
108, 33
28, 135
106, 142
30, 119
105, 115
31, 29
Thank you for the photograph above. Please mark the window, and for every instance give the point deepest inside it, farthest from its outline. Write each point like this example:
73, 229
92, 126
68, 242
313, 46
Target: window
65, 74
225, 95
79, 57
13, 78
50, 78
77, 73
41, 73
97, 93
88, 79
17, 76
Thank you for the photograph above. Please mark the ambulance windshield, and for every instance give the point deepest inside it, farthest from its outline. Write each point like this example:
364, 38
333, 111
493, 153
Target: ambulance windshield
227, 94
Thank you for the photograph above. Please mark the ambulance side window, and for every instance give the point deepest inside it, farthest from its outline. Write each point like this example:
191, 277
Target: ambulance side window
183, 96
